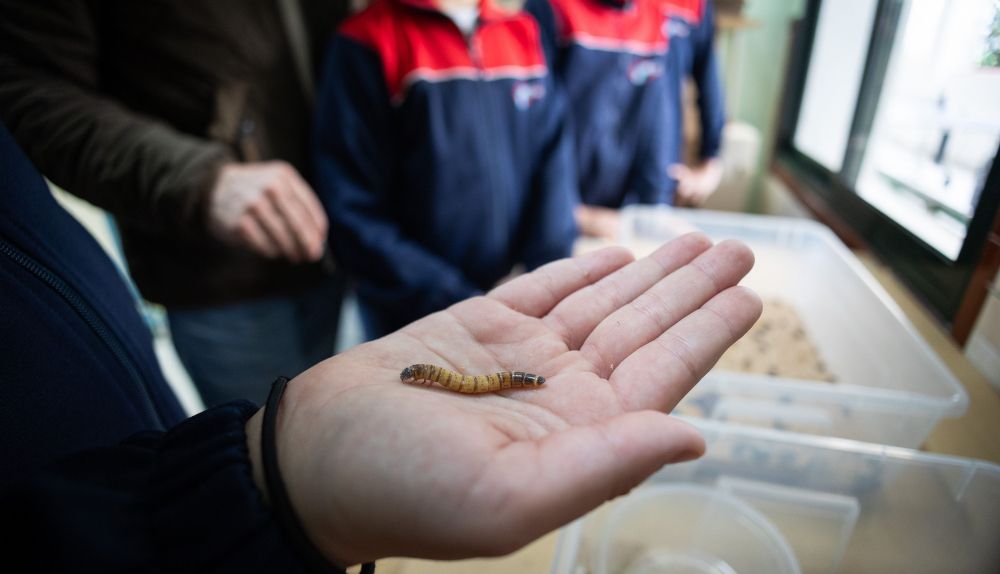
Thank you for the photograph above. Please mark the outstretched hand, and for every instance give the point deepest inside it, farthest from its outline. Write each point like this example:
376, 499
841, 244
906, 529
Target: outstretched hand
378, 468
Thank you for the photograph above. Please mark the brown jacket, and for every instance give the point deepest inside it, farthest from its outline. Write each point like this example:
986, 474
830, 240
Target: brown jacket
135, 105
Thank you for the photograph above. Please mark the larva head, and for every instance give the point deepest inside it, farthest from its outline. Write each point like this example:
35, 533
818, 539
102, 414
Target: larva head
407, 375
533, 380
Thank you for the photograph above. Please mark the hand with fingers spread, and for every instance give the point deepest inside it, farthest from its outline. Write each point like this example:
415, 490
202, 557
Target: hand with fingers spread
376, 468
269, 209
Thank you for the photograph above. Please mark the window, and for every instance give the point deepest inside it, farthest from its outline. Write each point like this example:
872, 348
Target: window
937, 124
835, 69
895, 123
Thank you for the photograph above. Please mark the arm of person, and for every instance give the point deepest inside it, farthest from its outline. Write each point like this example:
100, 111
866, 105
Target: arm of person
649, 179
549, 228
544, 14
705, 73
374, 467
696, 183
183, 500
598, 221
133, 165
355, 166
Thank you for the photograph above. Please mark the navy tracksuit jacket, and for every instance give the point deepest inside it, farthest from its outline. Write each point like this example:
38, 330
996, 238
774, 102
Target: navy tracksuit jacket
442, 160
612, 58
691, 27
99, 470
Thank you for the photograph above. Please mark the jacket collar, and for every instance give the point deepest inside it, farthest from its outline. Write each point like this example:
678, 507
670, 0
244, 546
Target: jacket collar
488, 10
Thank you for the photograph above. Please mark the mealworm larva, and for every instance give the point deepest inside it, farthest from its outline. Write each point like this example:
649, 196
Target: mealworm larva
427, 374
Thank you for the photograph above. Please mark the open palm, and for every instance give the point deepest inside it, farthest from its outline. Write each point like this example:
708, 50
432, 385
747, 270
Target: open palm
377, 468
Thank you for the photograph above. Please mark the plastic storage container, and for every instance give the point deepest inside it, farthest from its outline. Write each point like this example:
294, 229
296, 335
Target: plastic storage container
891, 387
787, 502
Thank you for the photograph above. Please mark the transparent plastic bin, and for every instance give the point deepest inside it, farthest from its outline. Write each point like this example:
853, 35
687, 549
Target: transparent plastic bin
891, 387
827, 505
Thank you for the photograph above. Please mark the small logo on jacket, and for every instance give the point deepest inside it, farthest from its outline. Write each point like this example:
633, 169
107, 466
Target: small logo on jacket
643, 70
526, 93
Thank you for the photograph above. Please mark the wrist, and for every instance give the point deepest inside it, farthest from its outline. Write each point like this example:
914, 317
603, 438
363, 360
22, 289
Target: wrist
252, 429
275, 481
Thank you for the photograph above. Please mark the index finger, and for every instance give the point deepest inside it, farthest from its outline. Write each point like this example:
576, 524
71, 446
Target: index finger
662, 305
658, 375
310, 202
576, 316
536, 293
301, 226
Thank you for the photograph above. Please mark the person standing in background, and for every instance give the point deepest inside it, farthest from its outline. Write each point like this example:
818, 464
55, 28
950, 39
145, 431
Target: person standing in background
188, 121
690, 25
443, 155
611, 56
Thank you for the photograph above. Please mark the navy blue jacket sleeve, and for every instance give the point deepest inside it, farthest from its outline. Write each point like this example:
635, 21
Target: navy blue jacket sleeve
355, 157
542, 12
79, 375
649, 182
182, 500
705, 72
550, 226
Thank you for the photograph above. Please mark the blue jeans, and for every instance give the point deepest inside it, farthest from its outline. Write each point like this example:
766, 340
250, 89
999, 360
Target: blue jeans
236, 351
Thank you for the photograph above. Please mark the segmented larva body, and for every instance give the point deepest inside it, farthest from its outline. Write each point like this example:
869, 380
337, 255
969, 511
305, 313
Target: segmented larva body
469, 384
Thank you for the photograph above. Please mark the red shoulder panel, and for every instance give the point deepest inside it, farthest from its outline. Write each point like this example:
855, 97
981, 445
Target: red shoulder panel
690, 10
637, 28
423, 45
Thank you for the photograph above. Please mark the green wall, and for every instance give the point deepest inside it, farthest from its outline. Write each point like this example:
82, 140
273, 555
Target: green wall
753, 61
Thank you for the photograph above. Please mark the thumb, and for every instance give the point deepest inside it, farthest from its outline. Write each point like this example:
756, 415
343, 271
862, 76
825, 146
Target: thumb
582, 467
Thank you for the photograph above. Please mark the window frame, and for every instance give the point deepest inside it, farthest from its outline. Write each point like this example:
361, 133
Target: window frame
942, 284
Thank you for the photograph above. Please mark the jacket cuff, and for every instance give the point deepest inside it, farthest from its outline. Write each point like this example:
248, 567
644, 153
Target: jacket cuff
206, 512
189, 189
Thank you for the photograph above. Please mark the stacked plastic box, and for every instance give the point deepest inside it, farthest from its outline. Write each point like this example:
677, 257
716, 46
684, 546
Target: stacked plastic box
769, 500
891, 387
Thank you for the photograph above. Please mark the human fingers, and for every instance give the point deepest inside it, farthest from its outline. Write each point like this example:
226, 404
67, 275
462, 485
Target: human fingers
251, 235
536, 293
308, 196
702, 196
685, 197
665, 303
576, 316
685, 189
566, 474
265, 211
678, 171
307, 235
312, 205
658, 375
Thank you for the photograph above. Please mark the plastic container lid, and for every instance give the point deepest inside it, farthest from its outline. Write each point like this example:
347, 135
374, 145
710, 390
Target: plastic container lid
690, 529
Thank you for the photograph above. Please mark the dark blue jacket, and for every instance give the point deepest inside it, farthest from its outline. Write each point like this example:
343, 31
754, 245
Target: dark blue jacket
691, 27
99, 471
611, 57
442, 161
